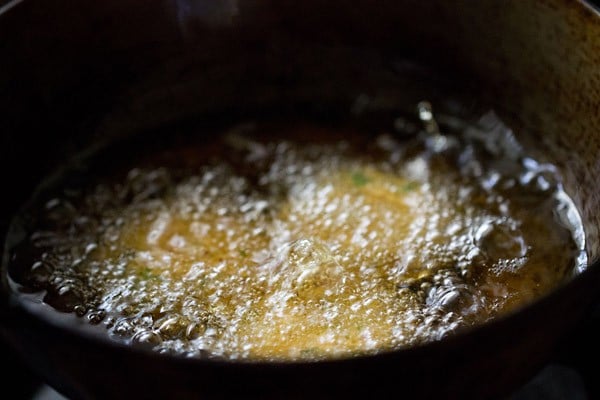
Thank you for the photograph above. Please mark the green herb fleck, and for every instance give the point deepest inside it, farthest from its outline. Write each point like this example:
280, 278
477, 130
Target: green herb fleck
146, 273
359, 179
309, 352
243, 253
410, 186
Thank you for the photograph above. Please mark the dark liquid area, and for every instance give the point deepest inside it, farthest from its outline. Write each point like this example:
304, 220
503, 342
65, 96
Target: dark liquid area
133, 241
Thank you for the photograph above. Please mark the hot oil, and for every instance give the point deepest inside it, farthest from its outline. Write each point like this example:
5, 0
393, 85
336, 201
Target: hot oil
298, 241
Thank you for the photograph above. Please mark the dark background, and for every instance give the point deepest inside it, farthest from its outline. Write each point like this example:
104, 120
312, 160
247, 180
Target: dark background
570, 375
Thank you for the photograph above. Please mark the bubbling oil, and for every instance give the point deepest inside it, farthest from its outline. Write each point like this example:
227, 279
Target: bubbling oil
279, 242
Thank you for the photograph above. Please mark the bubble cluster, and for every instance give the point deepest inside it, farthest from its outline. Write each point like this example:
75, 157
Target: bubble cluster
297, 250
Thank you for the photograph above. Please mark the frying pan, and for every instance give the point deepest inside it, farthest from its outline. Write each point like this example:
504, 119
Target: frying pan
76, 74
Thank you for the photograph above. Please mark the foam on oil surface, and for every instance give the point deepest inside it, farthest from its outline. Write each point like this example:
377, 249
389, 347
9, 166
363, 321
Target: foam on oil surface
289, 249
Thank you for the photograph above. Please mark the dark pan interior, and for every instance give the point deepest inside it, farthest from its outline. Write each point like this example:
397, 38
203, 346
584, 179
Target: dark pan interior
75, 75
